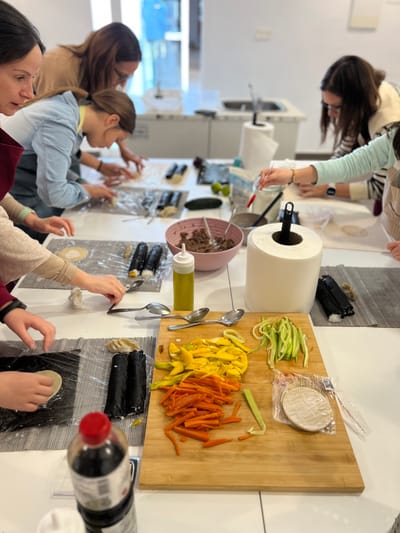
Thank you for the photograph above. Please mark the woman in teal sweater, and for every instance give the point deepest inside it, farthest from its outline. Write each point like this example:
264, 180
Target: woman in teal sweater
381, 153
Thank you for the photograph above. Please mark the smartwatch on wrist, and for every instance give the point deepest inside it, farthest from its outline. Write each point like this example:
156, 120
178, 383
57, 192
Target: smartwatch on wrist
331, 190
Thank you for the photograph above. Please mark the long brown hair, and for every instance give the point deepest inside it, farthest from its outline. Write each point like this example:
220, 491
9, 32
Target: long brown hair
357, 83
110, 101
101, 51
17, 35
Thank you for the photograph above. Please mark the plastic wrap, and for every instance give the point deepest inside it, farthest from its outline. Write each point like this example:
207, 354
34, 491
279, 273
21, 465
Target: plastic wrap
59, 409
284, 383
85, 366
104, 257
139, 202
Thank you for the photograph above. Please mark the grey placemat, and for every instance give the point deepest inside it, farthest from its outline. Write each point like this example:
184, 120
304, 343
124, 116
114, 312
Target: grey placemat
377, 292
91, 393
130, 202
103, 257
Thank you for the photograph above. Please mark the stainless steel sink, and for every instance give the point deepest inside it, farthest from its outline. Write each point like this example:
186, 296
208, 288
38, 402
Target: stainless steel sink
247, 105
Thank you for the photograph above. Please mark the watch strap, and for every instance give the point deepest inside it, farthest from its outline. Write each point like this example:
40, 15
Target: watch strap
15, 304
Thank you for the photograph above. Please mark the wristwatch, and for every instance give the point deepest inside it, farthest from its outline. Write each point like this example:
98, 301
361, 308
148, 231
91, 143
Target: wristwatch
331, 190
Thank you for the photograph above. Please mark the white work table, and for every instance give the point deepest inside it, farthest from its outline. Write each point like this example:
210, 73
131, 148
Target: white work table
364, 361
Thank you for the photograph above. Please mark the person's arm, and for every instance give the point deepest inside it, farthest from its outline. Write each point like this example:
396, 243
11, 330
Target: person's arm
127, 155
20, 321
21, 214
372, 157
66, 273
320, 191
24, 391
53, 144
110, 170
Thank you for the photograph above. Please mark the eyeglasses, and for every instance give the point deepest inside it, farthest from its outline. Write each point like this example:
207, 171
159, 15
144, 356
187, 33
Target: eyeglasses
331, 107
122, 77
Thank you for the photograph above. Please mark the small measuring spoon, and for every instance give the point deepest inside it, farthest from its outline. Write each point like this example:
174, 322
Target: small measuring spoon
228, 319
194, 316
153, 307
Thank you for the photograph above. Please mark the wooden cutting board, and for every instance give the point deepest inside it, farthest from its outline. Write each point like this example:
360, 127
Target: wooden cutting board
284, 459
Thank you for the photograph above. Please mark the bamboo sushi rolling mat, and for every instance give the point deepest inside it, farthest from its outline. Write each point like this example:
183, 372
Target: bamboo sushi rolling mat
377, 297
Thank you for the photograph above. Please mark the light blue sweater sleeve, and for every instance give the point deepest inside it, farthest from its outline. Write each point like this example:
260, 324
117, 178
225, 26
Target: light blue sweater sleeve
53, 144
376, 155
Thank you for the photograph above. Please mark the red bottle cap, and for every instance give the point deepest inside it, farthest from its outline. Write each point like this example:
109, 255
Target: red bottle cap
94, 427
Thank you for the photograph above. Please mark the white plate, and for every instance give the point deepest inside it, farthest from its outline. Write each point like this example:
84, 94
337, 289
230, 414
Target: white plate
307, 408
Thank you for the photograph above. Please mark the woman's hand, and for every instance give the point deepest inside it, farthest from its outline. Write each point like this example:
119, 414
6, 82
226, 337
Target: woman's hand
99, 191
312, 191
57, 225
284, 176
24, 391
107, 285
113, 173
128, 156
19, 321
394, 249
274, 176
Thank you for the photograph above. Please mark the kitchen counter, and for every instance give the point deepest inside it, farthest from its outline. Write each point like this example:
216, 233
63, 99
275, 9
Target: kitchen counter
201, 126
365, 362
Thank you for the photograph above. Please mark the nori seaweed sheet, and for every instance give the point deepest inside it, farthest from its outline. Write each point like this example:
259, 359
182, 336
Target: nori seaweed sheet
59, 410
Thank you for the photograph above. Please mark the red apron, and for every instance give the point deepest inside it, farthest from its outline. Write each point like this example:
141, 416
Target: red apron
10, 153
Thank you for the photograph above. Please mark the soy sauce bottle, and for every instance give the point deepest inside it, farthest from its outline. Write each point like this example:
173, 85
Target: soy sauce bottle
101, 476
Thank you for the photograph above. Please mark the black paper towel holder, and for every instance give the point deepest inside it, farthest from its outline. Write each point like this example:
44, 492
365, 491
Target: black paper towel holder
285, 236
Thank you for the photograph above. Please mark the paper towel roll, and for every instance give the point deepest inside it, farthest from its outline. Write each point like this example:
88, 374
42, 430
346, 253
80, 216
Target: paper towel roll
282, 278
257, 145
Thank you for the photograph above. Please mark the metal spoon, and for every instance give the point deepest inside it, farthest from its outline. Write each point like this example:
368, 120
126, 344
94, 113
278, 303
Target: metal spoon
130, 287
228, 319
194, 316
153, 307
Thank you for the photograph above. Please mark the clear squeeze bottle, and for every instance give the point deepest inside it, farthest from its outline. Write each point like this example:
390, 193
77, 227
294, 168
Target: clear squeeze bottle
183, 266
101, 476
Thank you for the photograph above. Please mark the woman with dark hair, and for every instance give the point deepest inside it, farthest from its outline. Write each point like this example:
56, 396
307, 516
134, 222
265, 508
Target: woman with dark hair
20, 57
357, 105
106, 59
51, 129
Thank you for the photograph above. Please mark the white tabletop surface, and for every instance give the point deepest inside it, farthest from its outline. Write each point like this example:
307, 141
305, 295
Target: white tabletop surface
364, 361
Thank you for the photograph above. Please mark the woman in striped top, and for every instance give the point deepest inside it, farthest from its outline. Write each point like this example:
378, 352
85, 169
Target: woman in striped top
358, 105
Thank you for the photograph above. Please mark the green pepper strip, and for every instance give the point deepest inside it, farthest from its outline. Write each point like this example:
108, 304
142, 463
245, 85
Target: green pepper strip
256, 413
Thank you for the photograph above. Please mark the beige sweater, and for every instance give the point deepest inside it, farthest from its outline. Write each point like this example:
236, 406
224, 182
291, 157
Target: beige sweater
59, 67
20, 254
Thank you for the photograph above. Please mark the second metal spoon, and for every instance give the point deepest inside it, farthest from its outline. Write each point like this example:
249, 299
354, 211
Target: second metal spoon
194, 316
228, 319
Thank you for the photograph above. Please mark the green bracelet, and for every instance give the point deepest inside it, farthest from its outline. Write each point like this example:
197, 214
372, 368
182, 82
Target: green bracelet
15, 304
24, 213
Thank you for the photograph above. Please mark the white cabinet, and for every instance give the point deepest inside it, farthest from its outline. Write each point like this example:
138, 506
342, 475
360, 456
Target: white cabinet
187, 135
170, 136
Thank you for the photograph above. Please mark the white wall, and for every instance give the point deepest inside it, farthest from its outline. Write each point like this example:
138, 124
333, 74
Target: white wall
307, 36
58, 21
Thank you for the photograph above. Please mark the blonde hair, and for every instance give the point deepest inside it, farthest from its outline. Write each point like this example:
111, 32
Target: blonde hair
110, 101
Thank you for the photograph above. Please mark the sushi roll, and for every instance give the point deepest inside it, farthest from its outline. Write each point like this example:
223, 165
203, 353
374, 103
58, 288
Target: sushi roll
138, 260
152, 261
